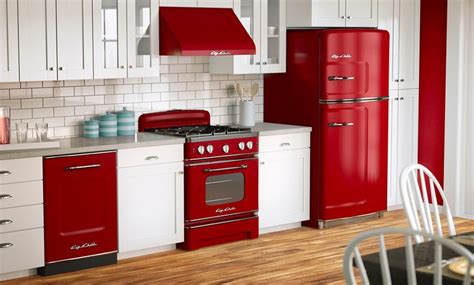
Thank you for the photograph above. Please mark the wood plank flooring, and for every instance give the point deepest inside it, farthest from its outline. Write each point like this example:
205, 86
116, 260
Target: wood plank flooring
296, 256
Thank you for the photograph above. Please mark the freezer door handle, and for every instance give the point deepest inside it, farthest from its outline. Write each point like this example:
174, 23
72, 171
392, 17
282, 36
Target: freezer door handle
340, 78
338, 125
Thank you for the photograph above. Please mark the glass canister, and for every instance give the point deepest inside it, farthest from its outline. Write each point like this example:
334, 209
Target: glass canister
4, 125
108, 125
126, 122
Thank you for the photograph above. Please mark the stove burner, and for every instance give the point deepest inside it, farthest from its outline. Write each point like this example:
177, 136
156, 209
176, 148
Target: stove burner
202, 131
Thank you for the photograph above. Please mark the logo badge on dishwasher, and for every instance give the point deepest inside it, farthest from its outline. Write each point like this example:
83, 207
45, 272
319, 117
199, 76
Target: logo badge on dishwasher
86, 245
227, 209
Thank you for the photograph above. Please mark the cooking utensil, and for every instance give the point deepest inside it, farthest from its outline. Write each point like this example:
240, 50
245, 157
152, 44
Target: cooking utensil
240, 91
254, 90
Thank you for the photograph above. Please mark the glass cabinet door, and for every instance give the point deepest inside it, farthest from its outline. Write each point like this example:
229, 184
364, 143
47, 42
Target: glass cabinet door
143, 38
110, 38
273, 36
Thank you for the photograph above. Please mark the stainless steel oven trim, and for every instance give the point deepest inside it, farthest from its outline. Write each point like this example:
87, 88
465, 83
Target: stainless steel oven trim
220, 223
255, 154
223, 216
221, 137
356, 100
219, 162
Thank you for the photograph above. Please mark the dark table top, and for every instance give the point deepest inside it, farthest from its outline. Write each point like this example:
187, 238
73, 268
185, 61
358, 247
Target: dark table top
424, 255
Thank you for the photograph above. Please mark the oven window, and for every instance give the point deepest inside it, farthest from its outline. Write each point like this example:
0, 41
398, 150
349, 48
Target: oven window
223, 189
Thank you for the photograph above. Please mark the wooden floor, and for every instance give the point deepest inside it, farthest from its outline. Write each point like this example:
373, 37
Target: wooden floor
301, 255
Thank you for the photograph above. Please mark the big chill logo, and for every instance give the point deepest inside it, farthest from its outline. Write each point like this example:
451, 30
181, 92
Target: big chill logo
342, 55
86, 245
227, 209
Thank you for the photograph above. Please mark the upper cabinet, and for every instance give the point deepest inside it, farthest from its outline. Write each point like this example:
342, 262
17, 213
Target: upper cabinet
333, 13
402, 19
126, 38
55, 39
179, 3
215, 3
265, 21
9, 41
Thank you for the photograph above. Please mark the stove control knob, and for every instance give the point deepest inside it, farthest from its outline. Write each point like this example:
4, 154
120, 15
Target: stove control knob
210, 148
201, 149
249, 145
226, 148
241, 145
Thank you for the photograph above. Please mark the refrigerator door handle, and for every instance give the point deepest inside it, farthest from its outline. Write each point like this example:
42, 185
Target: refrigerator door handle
338, 125
340, 78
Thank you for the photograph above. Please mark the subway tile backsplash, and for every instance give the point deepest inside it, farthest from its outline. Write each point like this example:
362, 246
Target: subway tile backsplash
184, 83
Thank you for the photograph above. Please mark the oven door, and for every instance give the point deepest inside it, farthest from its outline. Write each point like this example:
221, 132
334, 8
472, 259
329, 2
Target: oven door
222, 188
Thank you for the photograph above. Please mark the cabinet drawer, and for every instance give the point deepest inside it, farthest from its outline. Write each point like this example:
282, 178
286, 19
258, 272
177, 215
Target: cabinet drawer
21, 218
21, 170
21, 250
150, 155
21, 194
284, 142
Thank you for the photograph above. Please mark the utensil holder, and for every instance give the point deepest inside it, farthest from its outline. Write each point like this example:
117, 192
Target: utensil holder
247, 114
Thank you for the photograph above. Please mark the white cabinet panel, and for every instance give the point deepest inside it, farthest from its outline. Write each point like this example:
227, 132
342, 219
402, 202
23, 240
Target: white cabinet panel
74, 37
151, 206
179, 3
284, 142
328, 13
215, 3
21, 194
22, 244
387, 21
21, 218
361, 13
150, 155
284, 187
37, 39
273, 44
110, 38
409, 36
9, 71
21, 170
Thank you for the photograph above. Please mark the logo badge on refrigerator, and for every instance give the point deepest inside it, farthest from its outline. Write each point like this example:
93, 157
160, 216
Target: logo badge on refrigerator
342, 55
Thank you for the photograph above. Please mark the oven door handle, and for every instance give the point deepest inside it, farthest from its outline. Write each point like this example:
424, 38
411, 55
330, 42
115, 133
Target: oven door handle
242, 166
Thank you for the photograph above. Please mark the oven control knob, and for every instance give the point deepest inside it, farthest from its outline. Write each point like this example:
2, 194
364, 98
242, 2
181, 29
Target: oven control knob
210, 148
226, 148
201, 149
241, 145
249, 145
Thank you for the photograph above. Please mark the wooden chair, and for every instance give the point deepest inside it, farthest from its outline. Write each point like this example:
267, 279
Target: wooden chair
352, 254
416, 201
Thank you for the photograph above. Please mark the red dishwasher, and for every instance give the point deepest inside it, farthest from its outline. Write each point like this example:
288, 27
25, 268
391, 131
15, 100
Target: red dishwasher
80, 196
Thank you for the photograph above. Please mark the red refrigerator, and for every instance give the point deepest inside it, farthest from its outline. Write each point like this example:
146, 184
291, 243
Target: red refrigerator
337, 83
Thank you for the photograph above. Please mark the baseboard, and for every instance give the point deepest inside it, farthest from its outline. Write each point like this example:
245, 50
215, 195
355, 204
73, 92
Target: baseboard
279, 228
395, 207
18, 274
148, 251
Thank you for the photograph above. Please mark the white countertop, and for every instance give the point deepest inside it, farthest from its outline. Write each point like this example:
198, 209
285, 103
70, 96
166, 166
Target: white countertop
270, 129
84, 145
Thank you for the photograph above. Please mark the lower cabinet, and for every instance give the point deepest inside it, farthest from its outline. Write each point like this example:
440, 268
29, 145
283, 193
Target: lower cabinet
284, 184
151, 204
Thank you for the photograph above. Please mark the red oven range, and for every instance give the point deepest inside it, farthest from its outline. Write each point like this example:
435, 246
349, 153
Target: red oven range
221, 176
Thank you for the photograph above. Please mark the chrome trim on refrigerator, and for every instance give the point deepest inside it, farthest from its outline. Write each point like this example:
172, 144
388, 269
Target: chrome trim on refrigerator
355, 100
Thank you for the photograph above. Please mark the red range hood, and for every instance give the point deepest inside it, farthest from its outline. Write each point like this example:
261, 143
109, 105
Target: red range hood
203, 32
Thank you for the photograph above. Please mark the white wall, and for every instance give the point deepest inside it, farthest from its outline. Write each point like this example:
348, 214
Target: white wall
185, 83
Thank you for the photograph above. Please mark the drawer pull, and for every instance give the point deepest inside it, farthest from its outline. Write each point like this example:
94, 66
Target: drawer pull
5, 222
69, 168
5, 173
210, 170
153, 157
285, 144
5, 196
6, 245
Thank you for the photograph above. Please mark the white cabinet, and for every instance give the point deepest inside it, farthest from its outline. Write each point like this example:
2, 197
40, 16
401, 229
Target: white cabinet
55, 39
265, 21
403, 146
126, 41
215, 3
284, 180
333, 13
9, 71
402, 19
151, 203
179, 3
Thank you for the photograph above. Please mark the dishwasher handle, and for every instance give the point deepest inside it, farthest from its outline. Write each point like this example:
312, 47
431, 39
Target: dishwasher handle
81, 167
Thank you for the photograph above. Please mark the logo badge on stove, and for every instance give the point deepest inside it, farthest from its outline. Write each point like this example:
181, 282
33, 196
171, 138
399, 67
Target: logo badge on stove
343, 55
227, 209
86, 245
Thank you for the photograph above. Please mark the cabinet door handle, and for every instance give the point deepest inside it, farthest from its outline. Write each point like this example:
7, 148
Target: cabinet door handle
338, 125
402, 80
396, 80
402, 98
5, 173
51, 68
343, 17
257, 63
153, 157
5, 222
340, 78
6, 245
122, 66
285, 144
5, 196
262, 163
60, 69
70, 168
265, 63
349, 17
130, 66
242, 166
